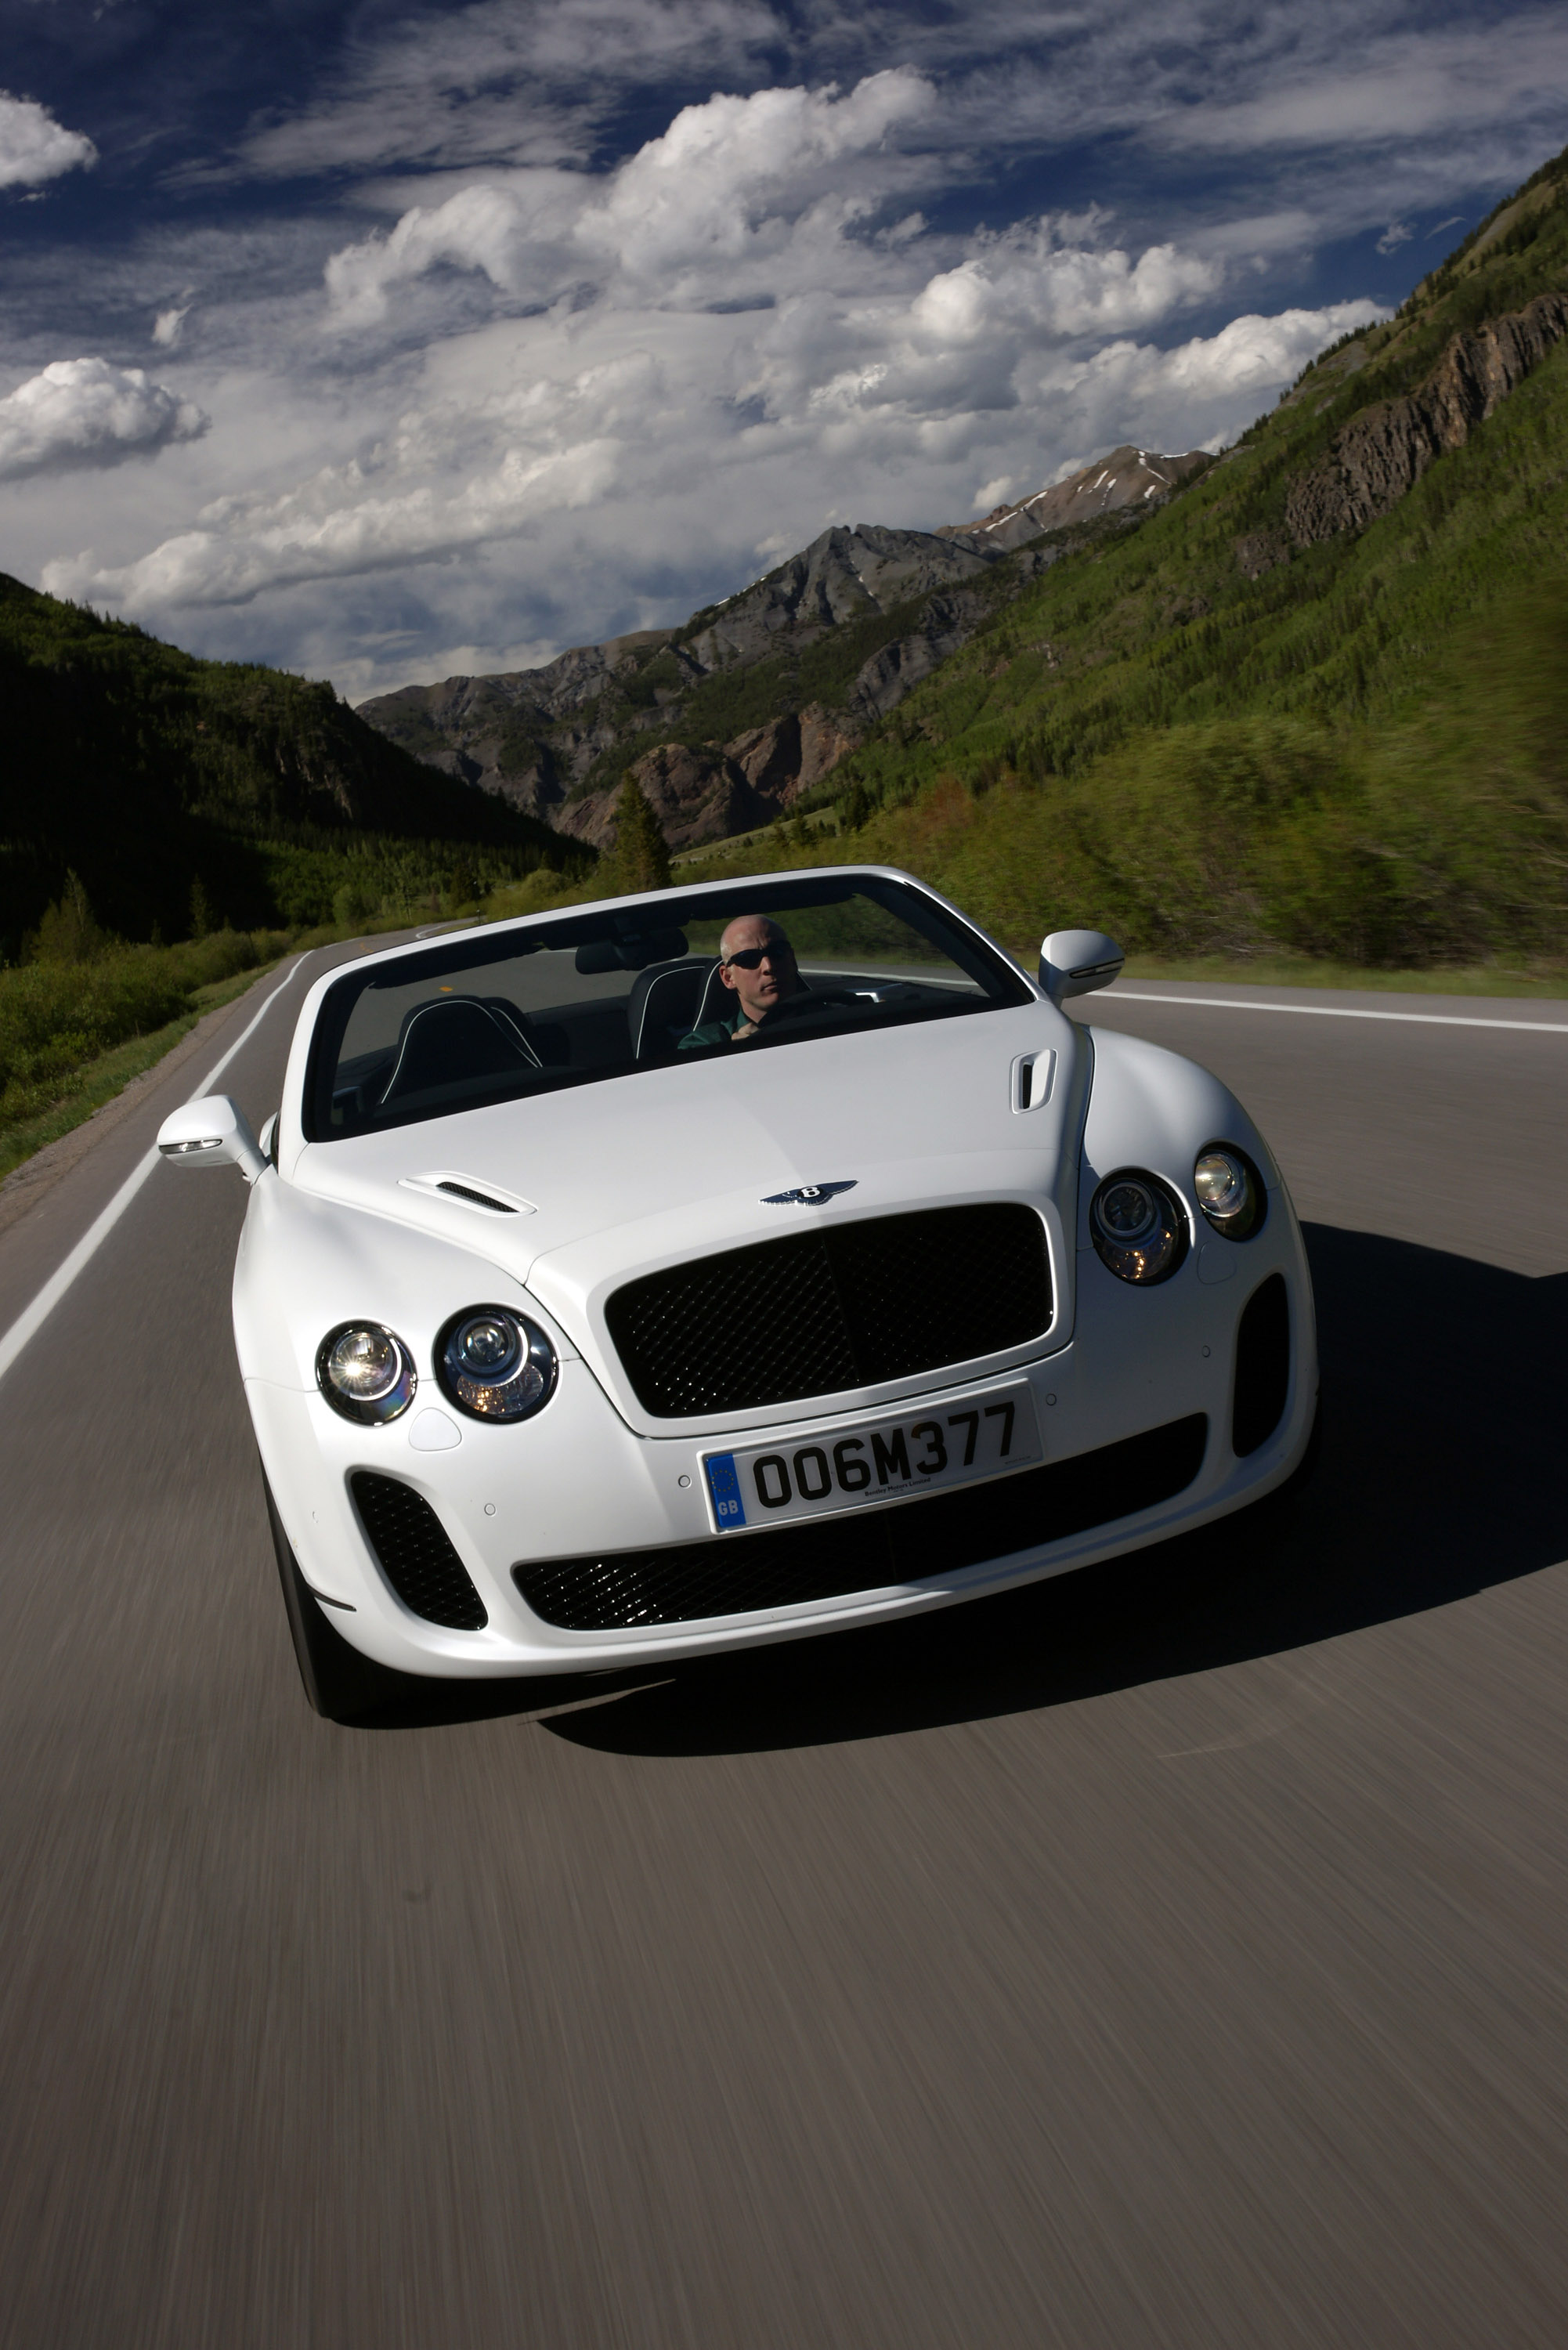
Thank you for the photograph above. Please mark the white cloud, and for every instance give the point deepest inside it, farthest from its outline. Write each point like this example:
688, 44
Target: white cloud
1396, 234
1399, 86
506, 83
82, 413
169, 326
34, 147
393, 507
1202, 390
734, 185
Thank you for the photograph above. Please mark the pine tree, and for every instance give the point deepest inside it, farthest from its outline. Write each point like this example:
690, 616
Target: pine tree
641, 856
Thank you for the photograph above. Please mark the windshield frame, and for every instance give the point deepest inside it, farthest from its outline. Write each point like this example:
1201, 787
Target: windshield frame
1001, 984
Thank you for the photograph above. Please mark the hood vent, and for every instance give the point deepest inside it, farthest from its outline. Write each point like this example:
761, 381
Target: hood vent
445, 1183
477, 1199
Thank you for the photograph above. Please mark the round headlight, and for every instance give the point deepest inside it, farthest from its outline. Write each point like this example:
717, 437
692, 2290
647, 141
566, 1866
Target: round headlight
1230, 1191
366, 1372
495, 1364
1137, 1227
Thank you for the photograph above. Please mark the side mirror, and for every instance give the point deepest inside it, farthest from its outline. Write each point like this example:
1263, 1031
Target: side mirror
1075, 963
212, 1132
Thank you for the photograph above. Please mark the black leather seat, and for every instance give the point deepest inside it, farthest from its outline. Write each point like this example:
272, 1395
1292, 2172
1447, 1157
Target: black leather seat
665, 1003
455, 1039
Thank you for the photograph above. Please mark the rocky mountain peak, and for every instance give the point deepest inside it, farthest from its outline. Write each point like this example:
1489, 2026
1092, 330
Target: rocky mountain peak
1128, 477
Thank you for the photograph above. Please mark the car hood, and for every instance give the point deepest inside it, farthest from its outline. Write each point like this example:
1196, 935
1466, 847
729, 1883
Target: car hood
610, 1180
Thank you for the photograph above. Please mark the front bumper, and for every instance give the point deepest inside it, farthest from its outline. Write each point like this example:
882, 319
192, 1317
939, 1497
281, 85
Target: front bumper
577, 1481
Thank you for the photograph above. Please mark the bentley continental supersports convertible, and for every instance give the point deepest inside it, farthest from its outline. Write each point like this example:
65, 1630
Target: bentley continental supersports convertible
723, 1264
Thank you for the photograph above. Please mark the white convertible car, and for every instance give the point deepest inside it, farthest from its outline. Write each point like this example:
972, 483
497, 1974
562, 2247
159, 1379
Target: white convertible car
723, 1264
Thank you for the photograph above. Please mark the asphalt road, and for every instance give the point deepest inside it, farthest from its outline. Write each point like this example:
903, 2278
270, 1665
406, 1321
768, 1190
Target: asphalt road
1171, 1956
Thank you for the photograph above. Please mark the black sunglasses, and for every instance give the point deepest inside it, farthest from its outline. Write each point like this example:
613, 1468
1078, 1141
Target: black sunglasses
752, 958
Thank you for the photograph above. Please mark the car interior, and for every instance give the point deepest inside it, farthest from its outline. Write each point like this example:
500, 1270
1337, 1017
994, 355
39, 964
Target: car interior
453, 1028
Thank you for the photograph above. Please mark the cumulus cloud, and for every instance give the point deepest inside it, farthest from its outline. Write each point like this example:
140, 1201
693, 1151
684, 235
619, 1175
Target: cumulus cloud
170, 324
1214, 376
82, 413
555, 446
735, 183
34, 147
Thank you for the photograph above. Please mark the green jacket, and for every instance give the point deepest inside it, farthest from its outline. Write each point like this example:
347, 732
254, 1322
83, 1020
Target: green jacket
712, 1031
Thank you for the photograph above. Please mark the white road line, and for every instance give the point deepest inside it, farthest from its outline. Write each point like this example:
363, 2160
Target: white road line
1343, 1012
29, 1323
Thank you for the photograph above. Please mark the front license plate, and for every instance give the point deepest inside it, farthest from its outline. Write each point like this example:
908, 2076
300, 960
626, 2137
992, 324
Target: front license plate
876, 1460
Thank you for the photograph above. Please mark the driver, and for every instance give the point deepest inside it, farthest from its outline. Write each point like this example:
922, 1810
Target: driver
757, 962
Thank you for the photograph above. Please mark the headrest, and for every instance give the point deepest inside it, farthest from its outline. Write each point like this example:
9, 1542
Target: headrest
661, 1007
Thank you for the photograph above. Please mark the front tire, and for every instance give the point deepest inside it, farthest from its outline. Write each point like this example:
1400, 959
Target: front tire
341, 1684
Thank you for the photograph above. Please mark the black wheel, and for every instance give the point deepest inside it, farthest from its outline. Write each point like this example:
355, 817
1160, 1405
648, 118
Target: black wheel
339, 1682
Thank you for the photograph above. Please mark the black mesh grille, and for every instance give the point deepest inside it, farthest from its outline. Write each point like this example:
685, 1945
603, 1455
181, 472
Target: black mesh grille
417, 1559
731, 1573
821, 1311
1262, 1366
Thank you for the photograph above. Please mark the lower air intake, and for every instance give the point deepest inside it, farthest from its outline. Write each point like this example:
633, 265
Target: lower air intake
732, 1574
1262, 1366
417, 1559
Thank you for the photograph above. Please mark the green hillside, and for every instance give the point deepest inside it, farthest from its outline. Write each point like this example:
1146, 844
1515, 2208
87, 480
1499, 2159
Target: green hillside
1209, 735
184, 793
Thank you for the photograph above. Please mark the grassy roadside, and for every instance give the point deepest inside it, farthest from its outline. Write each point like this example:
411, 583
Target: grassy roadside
99, 1081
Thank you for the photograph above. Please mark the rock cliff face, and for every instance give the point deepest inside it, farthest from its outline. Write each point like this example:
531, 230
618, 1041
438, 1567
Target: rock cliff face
716, 789
1384, 452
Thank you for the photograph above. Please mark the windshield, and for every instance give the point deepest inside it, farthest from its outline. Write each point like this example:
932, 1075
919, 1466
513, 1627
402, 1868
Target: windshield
581, 997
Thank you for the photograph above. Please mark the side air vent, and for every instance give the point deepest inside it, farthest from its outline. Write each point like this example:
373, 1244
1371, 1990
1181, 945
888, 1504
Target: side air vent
1262, 1366
477, 1199
416, 1556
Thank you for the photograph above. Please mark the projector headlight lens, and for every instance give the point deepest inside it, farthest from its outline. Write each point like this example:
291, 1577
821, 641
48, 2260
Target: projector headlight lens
366, 1372
1230, 1191
1137, 1227
495, 1365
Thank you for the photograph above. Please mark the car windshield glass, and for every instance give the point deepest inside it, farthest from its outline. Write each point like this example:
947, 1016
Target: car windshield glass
576, 998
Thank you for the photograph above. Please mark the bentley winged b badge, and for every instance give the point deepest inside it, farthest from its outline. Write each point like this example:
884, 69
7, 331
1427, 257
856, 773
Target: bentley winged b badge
805, 1195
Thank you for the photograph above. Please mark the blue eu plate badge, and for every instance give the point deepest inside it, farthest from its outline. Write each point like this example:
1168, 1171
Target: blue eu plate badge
725, 1488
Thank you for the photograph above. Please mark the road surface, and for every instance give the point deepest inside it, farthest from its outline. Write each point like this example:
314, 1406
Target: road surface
1171, 1956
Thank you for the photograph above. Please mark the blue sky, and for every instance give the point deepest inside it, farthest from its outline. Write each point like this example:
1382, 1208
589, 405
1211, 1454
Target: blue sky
387, 342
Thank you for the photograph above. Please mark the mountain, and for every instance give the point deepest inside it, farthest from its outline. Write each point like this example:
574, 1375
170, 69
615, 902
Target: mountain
731, 719
148, 771
1128, 477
